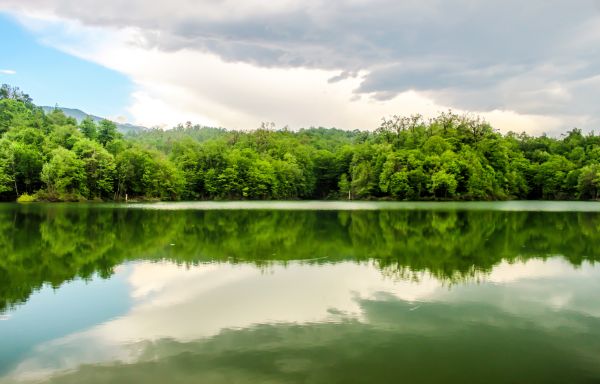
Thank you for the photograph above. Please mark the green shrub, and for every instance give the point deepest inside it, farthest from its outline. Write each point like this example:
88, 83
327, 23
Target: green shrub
26, 198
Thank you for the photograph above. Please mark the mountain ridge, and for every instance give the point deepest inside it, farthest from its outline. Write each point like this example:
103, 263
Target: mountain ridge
79, 115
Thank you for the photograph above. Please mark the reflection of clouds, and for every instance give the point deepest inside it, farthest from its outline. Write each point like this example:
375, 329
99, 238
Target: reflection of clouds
553, 282
560, 300
177, 302
190, 303
67, 353
536, 287
506, 272
204, 300
159, 278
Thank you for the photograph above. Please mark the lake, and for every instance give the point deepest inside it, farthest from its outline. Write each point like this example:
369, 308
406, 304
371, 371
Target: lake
300, 292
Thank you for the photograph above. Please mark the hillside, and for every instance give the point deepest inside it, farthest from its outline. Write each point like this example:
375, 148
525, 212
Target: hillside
80, 115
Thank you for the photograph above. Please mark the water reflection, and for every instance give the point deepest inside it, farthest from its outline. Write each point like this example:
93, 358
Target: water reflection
339, 322
298, 296
54, 244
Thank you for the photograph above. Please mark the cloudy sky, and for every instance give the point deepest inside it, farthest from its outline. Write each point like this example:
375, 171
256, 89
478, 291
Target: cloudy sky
531, 66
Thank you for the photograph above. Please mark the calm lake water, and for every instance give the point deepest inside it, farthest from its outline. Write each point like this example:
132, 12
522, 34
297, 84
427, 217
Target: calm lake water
300, 293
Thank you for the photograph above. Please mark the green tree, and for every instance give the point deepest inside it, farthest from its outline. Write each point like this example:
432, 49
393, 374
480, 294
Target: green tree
15, 113
443, 184
345, 187
551, 176
88, 128
436, 145
64, 174
107, 132
589, 182
99, 167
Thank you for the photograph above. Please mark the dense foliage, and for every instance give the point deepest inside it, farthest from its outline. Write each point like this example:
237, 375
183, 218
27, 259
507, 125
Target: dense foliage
52, 157
54, 243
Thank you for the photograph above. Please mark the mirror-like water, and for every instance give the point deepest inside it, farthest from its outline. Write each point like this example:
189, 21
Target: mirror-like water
374, 292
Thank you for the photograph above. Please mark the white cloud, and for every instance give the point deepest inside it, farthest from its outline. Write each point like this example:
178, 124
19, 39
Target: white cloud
236, 65
152, 111
8, 72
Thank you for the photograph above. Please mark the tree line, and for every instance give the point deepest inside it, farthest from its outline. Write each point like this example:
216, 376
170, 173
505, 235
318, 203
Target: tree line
52, 157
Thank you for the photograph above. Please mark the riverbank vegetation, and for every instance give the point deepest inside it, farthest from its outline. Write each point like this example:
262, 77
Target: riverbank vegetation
52, 157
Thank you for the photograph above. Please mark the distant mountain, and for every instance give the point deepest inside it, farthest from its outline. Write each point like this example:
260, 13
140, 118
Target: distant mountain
79, 115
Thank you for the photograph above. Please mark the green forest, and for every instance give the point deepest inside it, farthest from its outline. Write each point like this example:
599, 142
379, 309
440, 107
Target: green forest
52, 157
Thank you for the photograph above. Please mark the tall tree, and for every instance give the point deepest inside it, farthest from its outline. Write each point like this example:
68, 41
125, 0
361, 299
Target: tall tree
64, 174
88, 128
107, 132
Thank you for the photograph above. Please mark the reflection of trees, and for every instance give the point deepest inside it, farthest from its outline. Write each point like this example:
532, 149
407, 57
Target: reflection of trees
52, 244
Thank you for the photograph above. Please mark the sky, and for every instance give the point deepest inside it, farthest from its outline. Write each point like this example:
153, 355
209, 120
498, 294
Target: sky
52, 77
524, 66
